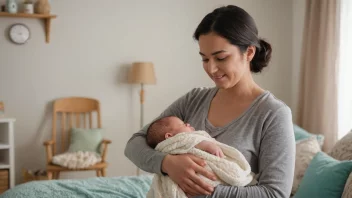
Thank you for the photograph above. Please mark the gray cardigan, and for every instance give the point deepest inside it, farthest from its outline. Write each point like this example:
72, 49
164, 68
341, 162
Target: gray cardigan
263, 133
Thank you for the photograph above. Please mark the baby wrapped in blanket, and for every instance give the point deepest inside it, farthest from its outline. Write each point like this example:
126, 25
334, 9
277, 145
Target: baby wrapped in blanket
171, 135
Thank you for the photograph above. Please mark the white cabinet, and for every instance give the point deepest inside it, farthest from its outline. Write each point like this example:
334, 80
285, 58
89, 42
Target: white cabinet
7, 158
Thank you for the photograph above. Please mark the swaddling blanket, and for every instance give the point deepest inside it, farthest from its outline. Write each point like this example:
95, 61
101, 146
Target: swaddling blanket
233, 169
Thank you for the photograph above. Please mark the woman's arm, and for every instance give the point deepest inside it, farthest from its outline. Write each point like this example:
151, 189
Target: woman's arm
137, 149
142, 155
180, 168
276, 162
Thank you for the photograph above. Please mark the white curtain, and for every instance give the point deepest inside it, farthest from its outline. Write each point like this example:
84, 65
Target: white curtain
318, 101
345, 70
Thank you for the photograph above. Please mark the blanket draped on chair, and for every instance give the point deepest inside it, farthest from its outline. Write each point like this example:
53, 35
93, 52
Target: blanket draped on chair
76, 160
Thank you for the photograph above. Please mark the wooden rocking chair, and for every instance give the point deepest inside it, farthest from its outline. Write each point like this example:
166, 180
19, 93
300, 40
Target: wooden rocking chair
74, 112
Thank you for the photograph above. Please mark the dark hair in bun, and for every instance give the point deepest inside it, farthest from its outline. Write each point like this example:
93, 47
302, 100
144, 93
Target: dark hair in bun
238, 27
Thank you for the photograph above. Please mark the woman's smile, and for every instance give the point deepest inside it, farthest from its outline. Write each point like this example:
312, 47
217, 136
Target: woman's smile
218, 78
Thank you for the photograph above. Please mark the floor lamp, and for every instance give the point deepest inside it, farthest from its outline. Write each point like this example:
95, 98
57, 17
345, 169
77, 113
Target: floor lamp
142, 73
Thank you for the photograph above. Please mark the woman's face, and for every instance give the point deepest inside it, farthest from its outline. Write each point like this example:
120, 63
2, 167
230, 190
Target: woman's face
223, 62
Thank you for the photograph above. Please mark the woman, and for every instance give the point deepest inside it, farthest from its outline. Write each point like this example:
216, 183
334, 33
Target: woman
237, 112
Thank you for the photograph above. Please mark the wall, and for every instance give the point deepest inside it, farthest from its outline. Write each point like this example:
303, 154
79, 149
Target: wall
298, 7
92, 45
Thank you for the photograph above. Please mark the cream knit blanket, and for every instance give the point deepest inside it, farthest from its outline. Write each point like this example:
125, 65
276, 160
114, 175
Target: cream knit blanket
76, 160
233, 169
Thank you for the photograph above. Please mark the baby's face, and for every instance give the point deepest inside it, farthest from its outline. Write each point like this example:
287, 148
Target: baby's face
178, 126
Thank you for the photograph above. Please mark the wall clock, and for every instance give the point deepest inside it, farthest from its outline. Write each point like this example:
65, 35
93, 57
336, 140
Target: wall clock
19, 33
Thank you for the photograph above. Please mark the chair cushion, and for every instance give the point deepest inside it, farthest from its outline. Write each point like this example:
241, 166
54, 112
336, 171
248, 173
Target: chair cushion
325, 177
85, 140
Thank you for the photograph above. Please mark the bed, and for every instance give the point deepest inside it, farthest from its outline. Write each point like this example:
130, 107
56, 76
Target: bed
100, 187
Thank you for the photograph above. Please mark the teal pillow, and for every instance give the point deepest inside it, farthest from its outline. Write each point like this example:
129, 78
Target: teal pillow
85, 140
325, 177
301, 134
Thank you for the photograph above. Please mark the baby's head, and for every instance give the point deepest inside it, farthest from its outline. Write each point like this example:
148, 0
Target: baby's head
165, 128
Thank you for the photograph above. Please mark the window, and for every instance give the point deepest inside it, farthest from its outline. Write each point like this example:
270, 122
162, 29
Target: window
345, 70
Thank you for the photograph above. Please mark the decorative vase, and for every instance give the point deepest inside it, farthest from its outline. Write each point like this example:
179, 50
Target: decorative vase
11, 6
42, 7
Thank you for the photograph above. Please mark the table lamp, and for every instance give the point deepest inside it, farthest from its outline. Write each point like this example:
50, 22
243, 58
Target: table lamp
142, 73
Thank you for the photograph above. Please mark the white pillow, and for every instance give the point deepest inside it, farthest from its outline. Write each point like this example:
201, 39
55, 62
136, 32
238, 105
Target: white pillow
342, 150
305, 151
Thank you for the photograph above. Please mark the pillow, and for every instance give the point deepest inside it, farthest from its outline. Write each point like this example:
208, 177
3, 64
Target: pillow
301, 134
85, 140
342, 150
347, 191
324, 177
305, 151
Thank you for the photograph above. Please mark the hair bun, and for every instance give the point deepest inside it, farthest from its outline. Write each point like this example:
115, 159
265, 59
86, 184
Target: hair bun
262, 57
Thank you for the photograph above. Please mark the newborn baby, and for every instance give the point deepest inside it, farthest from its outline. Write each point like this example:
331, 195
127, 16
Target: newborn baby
171, 135
167, 127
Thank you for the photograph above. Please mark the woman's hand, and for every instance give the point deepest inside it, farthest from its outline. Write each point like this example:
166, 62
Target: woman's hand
183, 169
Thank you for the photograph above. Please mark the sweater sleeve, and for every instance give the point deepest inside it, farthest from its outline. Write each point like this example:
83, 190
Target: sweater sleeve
138, 151
276, 161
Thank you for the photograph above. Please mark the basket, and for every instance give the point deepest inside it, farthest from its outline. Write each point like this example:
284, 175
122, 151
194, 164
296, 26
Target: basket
4, 180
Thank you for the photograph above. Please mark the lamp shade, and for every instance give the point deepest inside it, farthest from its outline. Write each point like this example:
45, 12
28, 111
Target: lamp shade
142, 73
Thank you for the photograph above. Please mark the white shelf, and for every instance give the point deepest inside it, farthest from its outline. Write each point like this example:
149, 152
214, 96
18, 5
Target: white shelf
4, 146
7, 147
6, 119
4, 166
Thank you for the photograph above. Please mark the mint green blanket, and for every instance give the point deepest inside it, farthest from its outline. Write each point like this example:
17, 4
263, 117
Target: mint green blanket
101, 187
